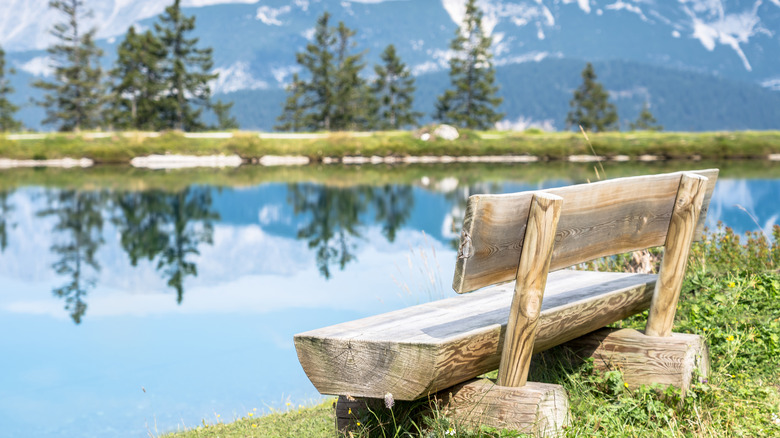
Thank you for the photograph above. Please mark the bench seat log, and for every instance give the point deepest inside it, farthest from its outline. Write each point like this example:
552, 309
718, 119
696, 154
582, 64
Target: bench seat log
417, 351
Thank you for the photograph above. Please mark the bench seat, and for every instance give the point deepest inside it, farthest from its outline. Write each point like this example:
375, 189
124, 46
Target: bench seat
417, 351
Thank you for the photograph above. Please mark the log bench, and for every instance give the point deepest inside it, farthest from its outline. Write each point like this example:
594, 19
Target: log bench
519, 300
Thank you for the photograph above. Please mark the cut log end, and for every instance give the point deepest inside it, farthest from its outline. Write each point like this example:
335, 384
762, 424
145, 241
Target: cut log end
645, 360
540, 409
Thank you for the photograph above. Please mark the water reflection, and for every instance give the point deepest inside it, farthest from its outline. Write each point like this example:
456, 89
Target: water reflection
80, 225
333, 219
168, 228
393, 206
5, 214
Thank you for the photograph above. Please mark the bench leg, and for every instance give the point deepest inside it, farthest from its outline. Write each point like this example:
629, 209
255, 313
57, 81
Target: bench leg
540, 409
644, 360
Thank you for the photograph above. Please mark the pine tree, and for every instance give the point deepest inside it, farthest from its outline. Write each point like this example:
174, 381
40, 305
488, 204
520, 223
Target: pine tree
225, 121
590, 105
350, 90
317, 59
394, 91
7, 109
472, 101
186, 71
75, 99
334, 97
138, 82
645, 121
293, 113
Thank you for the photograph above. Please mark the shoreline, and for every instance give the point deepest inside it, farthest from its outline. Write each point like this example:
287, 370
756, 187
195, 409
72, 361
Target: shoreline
181, 161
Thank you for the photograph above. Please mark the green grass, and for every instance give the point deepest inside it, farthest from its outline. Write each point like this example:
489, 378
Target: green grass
553, 146
731, 296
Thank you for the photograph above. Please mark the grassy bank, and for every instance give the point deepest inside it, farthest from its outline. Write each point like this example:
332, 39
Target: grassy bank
122, 147
731, 296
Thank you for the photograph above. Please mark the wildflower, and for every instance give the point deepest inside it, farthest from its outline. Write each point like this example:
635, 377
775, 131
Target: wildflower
288, 403
250, 414
730, 338
349, 411
389, 401
450, 431
358, 423
254, 425
625, 384
732, 284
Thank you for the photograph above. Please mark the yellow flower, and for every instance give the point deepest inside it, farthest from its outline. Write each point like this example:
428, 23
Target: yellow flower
730, 338
250, 414
349, 411
732, 284
254, 425
288, 403
625, 384
358, 423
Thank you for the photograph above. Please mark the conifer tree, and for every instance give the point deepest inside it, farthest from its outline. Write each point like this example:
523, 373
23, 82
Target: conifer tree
225, 121
293, 113
350, 90
472, 101
394, 91
645, 121
334, 97
7, 109
590, 105
74, 99
138, 82
185, 71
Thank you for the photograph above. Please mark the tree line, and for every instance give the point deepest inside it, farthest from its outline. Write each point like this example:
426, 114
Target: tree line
160, 81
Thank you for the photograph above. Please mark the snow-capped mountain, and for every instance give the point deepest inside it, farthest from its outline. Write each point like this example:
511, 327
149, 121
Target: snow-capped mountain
255, 41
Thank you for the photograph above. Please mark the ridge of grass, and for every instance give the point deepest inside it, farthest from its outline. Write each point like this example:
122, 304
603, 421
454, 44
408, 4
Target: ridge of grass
122, 147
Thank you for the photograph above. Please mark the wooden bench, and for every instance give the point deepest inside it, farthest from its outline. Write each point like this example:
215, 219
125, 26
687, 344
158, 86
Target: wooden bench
509, 243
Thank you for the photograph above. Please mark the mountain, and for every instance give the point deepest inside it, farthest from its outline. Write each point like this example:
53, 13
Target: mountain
732, 44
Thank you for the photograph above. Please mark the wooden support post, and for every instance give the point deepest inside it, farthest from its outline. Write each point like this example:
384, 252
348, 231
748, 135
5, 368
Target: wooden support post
644, 360
529, 289
538, 409
682, 227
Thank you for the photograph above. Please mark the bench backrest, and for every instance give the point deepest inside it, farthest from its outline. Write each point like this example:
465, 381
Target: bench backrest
596, 220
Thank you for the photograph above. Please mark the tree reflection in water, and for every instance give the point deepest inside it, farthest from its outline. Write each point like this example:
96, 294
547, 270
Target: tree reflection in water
335, 217
167, 227
80, 222
5, 215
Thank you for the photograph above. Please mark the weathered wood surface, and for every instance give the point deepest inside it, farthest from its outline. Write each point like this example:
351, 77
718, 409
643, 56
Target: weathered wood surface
644, 360
530, 281
682, 226
539, 409
598, 219
419, 350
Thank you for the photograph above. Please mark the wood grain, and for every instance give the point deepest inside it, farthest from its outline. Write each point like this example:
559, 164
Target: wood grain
531, 279
682, 227
598, 219
644, 360
539, 409
416, 351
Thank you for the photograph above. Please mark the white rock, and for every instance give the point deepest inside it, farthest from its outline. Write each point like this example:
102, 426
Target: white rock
446, 132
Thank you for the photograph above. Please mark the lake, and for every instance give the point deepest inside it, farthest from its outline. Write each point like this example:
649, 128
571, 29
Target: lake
136, 302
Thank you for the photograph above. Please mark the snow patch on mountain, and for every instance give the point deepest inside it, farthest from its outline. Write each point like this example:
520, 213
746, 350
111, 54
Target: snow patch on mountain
522, 123
270, 16
772, 83
25, 24
727, 29
236, 77
38, 66
620, 5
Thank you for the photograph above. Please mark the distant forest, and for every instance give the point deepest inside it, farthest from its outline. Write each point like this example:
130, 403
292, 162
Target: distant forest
541, 91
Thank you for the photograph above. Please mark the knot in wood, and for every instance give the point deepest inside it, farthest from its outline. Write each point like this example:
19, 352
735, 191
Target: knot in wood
531, 306
465, 248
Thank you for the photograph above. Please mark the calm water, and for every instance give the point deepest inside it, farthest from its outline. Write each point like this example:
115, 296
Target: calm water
127, 309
